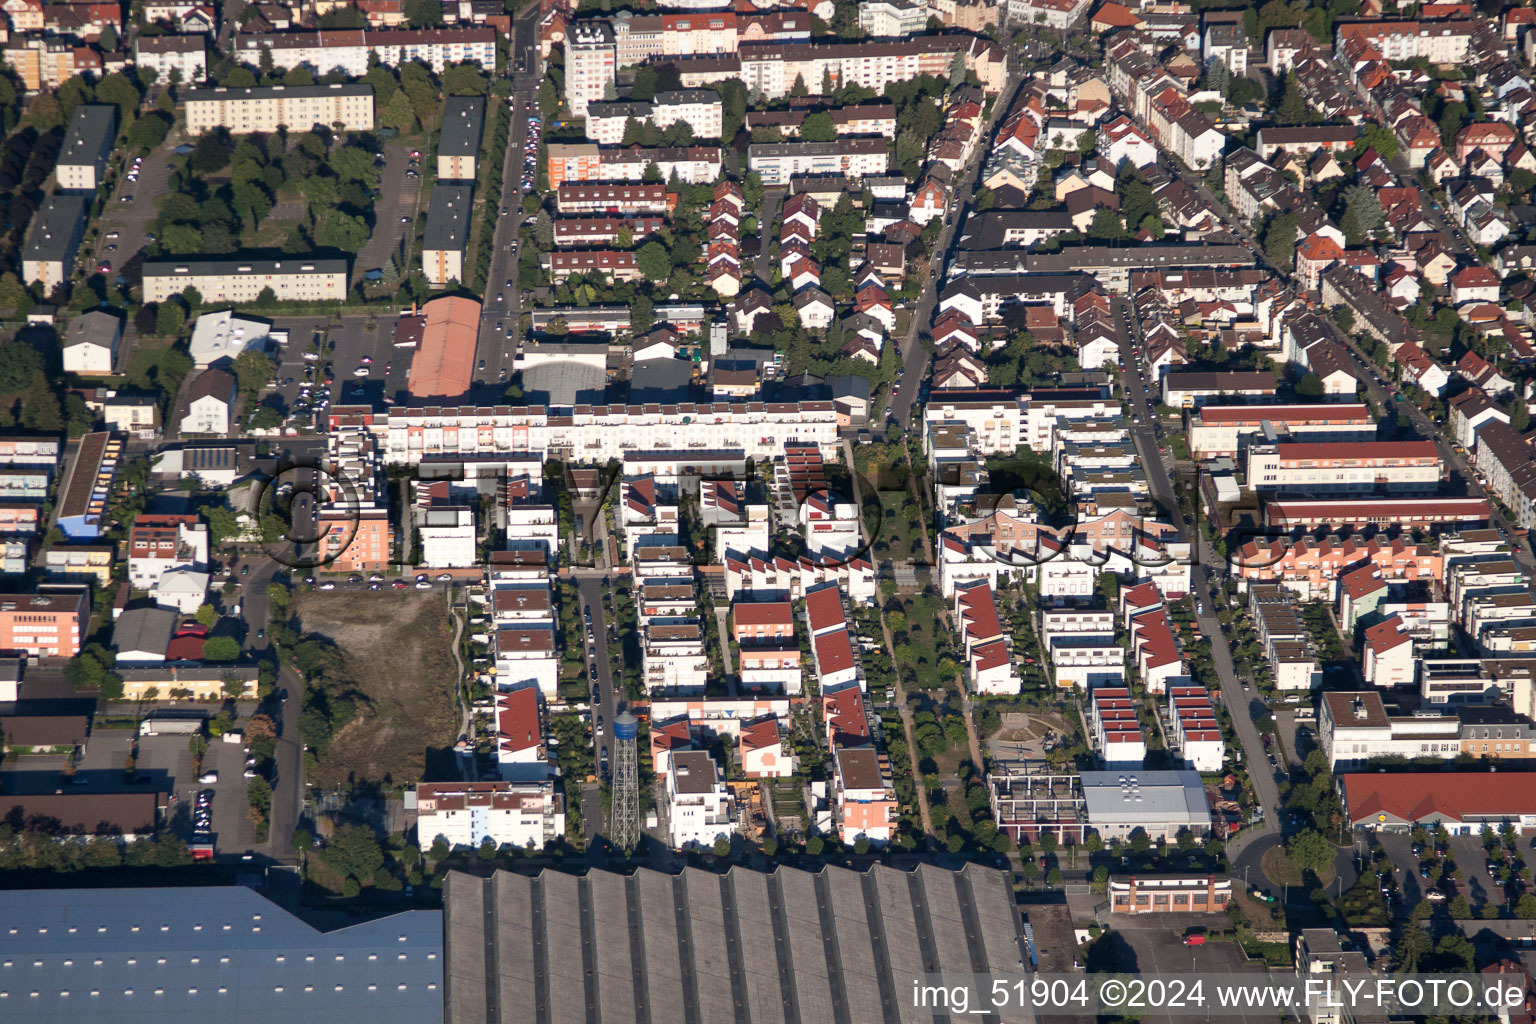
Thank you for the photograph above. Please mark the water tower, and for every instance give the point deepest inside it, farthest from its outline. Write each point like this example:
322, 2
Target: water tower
625, 825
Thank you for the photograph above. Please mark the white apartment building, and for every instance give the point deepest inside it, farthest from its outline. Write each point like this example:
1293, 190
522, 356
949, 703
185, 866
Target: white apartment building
242, 281
348, 50
672, 656
590, 64
1195, 732
988, 650
1345, 467
87, 145
447, 534
91, 343
1218, 430
158, 544
268, 108
183, 57
1059, 15
525, 654
855, 158
700, 108
1086, 660
892, 19
1355, 727
599, 433
468, 814
699, 807
1117, 735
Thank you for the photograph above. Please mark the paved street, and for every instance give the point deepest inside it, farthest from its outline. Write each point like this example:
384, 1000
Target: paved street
497, 347
914, 354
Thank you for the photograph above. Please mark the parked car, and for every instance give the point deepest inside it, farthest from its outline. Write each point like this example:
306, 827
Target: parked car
208, 777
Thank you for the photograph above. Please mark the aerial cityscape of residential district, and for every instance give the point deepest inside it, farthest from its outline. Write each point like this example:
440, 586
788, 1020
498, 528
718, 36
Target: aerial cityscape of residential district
766, 511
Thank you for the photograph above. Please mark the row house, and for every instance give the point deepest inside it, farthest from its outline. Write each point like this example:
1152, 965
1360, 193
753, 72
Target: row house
1311, 567
1115, 728
1195, 733
1082, 647
1228, 430
768, 653
1288, 644
832, 649
988, 653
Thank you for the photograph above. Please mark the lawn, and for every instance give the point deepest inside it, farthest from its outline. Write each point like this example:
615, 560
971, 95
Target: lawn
269, 234
398, 651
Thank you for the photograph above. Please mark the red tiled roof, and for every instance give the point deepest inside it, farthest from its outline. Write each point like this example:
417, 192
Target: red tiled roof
834, 652
763, 613
518, 719
1387, 635
1412, 796
824, 606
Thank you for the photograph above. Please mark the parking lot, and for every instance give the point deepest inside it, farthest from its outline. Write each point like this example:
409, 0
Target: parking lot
164, 764
344, 342
130, 220
399, 196
1469, 857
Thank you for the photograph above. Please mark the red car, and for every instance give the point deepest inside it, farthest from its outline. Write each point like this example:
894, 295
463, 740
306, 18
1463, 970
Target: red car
399, 584
103, 267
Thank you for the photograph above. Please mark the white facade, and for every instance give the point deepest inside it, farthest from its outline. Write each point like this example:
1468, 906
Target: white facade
890, 19
207, 415
699, 807
508, 814
447, 537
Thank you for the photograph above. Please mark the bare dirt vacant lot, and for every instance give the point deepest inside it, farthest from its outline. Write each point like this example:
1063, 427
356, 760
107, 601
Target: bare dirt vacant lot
398, 650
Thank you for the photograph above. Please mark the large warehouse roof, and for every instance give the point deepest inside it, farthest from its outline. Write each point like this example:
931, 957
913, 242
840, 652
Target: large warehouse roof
214, 953
1133, 797
789, 947
444, 363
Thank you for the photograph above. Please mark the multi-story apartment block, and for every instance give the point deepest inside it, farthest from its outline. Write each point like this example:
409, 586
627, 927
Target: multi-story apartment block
892, 19
174, 57
1195, 733
458, 144
1440, 42
1058, 15
1353, 728
242, 281
865, 794
1345, 467
988, 652
89, 141
1311, 566
526, 815
349, 50
572, 198
50, 625
54, 240
590, 64
700, 809
159, 543
598, 433
268, 108
1117, 736
855, 158
1217, 430
447, 233
702, 109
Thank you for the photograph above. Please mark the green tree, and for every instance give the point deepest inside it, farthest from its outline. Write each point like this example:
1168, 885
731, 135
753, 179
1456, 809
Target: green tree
644, 88
654, 261
150, 130
221, 648
1280, 240
799, 87
1106, 226
722, 847
818, 127
1519, 414
1343, 316
1293, 105
465, 80
207, 615
1310, 385
119, 91
1310, 851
